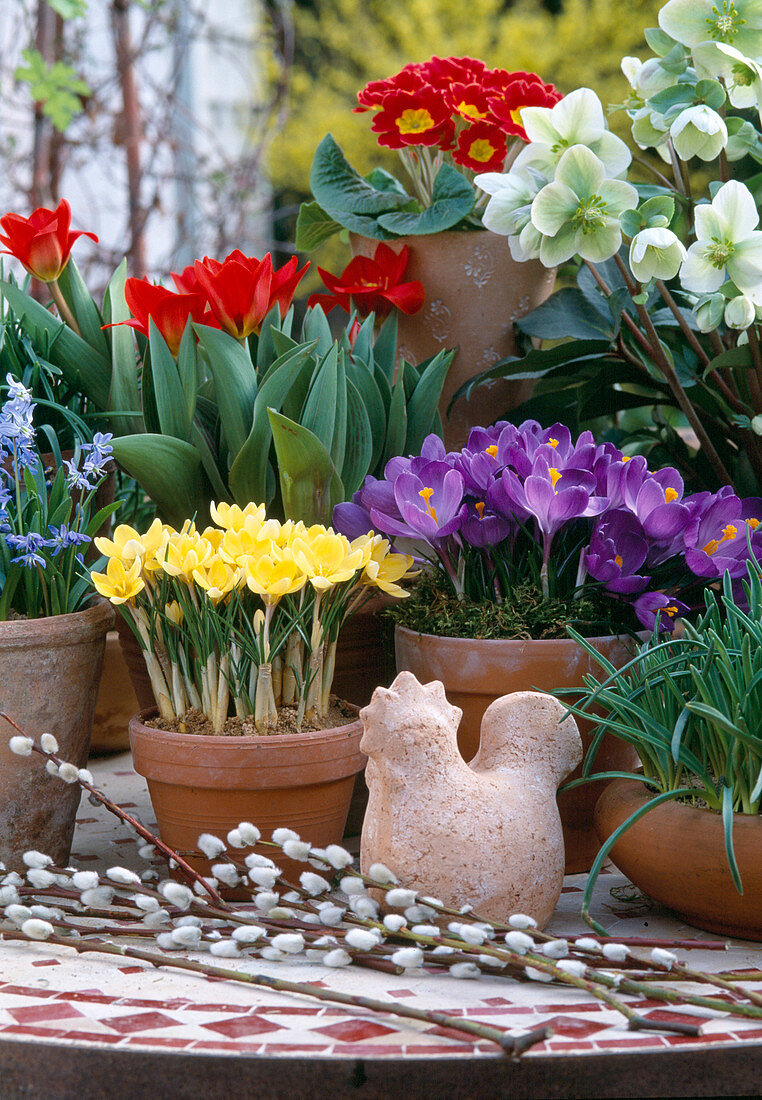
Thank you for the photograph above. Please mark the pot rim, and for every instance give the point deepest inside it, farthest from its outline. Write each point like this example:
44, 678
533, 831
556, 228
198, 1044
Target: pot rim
546, 642
635, 789
71, 629
201, 740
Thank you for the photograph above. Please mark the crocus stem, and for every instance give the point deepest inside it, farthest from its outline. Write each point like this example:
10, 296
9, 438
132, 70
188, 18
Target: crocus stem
329, 665
292, 667
62, 306
265, 714
223, 693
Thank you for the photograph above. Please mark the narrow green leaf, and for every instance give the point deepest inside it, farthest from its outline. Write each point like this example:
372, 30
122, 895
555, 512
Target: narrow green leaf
396, 430
385, 347
82, 366
373, 403
727, 826
125, 392
83, 307
339, 441
359, 449
319, 414
422, 406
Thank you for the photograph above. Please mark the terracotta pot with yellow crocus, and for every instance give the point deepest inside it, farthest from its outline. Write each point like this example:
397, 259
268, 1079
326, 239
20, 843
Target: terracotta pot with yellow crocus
238, 625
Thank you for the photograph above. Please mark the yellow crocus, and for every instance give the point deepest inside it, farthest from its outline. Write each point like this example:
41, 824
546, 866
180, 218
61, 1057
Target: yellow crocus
216, 578
384, 568
213, 535
174, 612
127, 544
185, 553
325, 557
272, 576
232, 517
119, 584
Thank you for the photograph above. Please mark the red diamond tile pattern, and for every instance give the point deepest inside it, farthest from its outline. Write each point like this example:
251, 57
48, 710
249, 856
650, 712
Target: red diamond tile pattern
238, 1026
352, 1031
142, 1021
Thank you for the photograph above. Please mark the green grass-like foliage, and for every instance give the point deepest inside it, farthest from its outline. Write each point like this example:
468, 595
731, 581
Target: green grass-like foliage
691, 708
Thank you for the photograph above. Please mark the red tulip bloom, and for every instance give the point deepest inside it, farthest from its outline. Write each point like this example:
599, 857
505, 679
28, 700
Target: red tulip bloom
481, 147
242, 289
522, 90
414, 118
168, 311
186, 280
43, 241
372, 285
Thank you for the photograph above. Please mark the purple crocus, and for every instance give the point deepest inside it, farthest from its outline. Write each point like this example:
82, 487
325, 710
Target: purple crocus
657, 500
657, 607
431, 503
484, 528
715, 538
617, 550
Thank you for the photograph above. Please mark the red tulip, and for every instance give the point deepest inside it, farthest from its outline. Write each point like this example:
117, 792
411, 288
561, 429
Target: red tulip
43, 241
372, 285
242, 289
168, 311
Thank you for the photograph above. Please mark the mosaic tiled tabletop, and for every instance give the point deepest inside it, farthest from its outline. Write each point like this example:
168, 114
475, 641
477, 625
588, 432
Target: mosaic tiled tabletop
52, 996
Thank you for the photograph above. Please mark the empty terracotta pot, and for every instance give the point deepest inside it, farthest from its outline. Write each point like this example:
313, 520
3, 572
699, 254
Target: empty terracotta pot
50, 673
676, 855
116, 702
198, 784
475, 672
475, 291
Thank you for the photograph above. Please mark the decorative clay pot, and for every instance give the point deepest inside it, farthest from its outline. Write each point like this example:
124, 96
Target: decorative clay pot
199, 784
475, 291
476, 672
50, 673
116, 702
676, 855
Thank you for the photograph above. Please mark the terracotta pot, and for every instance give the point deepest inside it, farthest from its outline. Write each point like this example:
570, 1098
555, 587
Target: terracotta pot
475, 290
136, 666
50, 673
116, 702
476, 672
198, 784
365, 653
676, 855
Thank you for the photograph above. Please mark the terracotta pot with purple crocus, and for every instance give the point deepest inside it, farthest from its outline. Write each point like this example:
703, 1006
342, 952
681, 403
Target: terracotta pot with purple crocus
526, 536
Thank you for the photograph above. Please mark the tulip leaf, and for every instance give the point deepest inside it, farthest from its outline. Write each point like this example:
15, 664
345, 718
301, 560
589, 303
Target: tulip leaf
385, 388
305, 471
235, 385
171, 408
83, 368
316, 328
396, 430
170, 472
319, 414
201, 441
453, 198
370, 395
385, 347
339, 441
125, 393
359, 445
313, 226
422, 405
363, 345
83, 307
187, 369
248, 474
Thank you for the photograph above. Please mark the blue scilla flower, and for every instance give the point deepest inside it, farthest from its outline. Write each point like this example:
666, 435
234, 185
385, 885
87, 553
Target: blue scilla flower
96, 455
62, 538
16, 429
77, 479
28, 547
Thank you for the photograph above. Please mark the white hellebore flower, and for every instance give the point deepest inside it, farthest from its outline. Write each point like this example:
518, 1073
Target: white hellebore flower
742, 75
509, 210
728, 244
656, 254
740, 312
698, 132
579, 211
646, 78
577, 119
736, 22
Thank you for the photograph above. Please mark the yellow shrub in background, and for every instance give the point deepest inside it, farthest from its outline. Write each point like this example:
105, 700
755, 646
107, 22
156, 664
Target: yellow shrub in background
343, 44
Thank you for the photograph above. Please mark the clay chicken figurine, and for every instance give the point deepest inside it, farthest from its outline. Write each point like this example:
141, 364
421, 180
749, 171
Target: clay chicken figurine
488, 833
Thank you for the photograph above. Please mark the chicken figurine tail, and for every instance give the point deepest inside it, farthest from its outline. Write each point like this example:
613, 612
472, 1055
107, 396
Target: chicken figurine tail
485, 834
